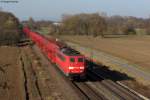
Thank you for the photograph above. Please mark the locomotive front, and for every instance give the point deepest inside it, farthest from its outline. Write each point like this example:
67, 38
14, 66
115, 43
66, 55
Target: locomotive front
75, 62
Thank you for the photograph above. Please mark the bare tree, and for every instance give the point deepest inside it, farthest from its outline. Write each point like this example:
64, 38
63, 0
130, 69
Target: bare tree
84, 24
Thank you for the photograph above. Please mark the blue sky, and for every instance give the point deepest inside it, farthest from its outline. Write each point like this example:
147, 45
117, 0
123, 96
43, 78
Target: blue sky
53, 9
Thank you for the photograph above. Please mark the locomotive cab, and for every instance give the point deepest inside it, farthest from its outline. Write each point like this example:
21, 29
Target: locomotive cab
75, 62
76, 67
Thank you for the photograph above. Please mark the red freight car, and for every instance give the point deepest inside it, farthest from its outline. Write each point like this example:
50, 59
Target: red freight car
68, 60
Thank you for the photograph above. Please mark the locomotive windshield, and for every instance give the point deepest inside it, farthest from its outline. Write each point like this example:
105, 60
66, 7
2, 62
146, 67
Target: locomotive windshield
80, 59
69, 51
72, 60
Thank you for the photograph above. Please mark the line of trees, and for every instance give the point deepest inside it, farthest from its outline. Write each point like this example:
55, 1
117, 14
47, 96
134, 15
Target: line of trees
83, 24
127, 25
95, 25
37, 24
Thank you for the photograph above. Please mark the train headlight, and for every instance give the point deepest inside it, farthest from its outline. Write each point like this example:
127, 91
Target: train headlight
71, 67
81, 67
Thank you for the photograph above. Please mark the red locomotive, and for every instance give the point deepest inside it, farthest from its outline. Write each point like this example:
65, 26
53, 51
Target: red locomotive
68, 60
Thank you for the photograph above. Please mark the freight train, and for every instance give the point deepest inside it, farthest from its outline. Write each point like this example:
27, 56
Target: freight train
68, 60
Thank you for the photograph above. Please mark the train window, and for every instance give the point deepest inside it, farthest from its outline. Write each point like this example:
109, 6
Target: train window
72, 59
61, 57
80, 59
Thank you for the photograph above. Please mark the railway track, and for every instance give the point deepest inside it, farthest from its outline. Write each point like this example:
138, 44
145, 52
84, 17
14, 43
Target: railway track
113, 89
88, 91
83, 90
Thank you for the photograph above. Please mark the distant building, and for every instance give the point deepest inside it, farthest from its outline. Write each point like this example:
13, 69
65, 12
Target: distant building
57, 23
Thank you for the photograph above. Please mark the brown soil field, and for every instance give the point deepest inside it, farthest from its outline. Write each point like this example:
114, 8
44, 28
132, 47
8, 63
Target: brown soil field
133, 49
11, 76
